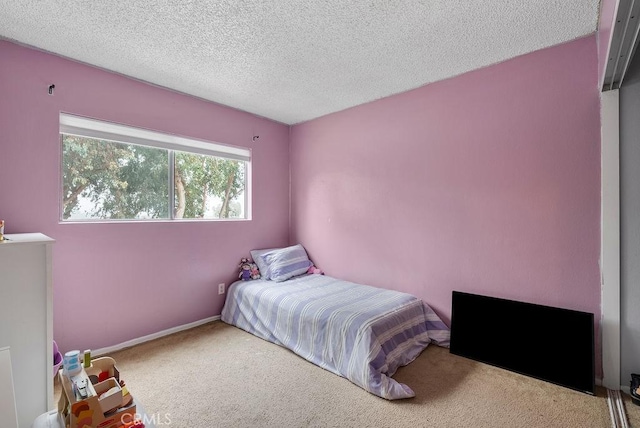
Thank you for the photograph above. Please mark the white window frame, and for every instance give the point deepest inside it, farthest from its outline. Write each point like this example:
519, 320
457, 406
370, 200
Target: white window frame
102, 130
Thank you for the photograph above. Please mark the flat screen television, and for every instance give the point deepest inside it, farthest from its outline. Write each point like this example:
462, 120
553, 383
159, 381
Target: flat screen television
552, 344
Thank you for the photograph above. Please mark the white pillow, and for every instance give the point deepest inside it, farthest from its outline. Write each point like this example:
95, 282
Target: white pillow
262, 266
286, 263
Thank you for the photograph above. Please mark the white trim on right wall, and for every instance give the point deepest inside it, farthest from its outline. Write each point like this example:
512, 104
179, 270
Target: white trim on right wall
610, 238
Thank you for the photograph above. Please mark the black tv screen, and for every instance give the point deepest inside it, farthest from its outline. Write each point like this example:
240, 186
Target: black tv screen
552, 344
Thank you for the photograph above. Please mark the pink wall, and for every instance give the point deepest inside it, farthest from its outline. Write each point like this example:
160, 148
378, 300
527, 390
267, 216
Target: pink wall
605, 26
488, 183
116, 282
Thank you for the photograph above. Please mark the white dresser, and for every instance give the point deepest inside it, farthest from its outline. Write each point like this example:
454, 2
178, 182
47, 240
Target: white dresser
26, 321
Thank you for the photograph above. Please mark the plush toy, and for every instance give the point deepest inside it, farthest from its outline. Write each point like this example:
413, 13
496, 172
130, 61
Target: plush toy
312, 269
255, 272
245, 269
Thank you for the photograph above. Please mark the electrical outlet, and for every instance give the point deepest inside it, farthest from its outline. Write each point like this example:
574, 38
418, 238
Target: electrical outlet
221, 288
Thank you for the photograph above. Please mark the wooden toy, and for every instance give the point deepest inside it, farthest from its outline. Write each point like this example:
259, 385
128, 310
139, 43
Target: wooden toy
88, 402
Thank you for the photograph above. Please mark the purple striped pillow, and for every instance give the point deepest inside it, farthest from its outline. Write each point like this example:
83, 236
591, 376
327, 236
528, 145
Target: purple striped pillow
286, 263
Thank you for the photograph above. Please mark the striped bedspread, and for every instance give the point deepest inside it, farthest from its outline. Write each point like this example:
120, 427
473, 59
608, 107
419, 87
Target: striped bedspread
356, 331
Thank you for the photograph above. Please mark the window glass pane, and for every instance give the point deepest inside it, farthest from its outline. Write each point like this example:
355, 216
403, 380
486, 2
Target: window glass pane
208, 187
108, 180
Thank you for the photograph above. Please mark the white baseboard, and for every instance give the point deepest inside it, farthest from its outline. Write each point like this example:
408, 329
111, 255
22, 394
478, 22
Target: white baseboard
139, 340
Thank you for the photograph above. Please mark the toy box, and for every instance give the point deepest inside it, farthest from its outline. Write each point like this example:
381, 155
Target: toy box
95, 397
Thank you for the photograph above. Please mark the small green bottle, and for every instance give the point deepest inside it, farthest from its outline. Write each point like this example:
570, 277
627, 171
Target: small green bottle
87, 358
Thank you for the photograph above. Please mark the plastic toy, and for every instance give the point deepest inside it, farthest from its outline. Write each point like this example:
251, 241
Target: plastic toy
57, 359
136, 423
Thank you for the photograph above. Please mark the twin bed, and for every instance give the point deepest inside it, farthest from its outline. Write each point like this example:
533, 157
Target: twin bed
356, 331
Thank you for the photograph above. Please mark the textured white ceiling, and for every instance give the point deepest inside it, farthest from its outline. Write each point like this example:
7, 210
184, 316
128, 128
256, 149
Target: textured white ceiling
290, 60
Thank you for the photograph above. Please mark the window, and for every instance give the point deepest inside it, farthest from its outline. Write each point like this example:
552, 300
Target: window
116, 172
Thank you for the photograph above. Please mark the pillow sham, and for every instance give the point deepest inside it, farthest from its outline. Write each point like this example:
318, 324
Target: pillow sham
257, 259
286, 263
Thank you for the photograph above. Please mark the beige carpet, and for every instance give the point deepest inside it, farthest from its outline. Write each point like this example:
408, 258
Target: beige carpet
216, 375
632, 411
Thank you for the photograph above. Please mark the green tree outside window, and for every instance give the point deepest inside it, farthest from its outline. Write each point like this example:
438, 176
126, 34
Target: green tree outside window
111, 180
